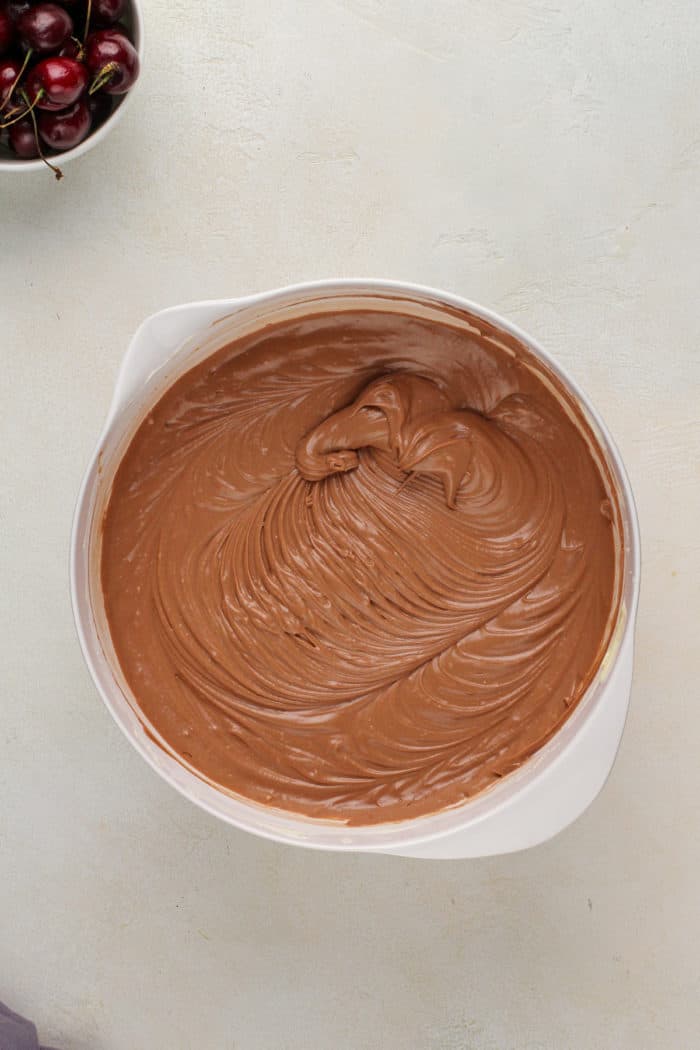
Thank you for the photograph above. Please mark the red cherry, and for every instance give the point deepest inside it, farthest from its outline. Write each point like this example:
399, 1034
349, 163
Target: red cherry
113, 61
107, 11
62, 81
66, 129
7, 31
23, 139
9, 71
45, 27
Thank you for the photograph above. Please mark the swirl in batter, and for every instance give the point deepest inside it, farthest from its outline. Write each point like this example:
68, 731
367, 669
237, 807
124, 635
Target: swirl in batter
358, 567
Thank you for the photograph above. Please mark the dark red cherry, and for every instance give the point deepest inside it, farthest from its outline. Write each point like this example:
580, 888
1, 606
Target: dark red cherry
59, 81
45, 27
105, 12
23, 139
113, 61
66, 129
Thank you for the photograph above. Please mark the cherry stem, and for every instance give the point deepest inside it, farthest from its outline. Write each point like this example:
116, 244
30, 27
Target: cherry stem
57, 171
81, 49
103, 77
14, 111
16, 81
88, 12
25, 112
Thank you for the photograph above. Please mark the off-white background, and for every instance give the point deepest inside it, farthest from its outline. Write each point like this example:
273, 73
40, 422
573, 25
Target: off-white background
540, 157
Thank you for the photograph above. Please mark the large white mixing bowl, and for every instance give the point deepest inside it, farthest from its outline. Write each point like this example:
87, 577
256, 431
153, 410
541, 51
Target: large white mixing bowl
528, 806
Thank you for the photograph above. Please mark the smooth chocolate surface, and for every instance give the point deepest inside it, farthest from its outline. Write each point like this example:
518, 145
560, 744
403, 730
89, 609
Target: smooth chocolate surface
359, 566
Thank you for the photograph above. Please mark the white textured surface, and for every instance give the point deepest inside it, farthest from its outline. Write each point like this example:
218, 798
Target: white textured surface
540, 157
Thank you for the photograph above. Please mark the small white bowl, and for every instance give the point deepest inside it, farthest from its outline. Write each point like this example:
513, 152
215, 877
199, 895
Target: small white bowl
18, 166
530, 805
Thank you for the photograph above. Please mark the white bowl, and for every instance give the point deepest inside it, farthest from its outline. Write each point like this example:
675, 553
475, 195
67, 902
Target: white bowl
19, 166
528, 806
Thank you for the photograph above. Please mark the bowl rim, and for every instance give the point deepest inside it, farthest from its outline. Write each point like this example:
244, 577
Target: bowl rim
291, 828
18, 165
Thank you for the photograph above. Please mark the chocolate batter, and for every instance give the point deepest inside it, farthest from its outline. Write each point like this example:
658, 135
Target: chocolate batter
359, 566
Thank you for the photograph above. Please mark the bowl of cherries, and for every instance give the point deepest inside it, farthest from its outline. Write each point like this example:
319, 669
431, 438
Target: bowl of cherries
67, 70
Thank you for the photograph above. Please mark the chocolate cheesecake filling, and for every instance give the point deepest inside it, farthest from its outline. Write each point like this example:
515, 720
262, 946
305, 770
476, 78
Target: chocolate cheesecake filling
360, 566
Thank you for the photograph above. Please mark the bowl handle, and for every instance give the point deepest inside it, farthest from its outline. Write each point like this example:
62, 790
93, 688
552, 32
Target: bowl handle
157, 340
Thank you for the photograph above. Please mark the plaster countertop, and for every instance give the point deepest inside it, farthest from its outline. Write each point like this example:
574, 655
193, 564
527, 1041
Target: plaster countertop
542, 158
